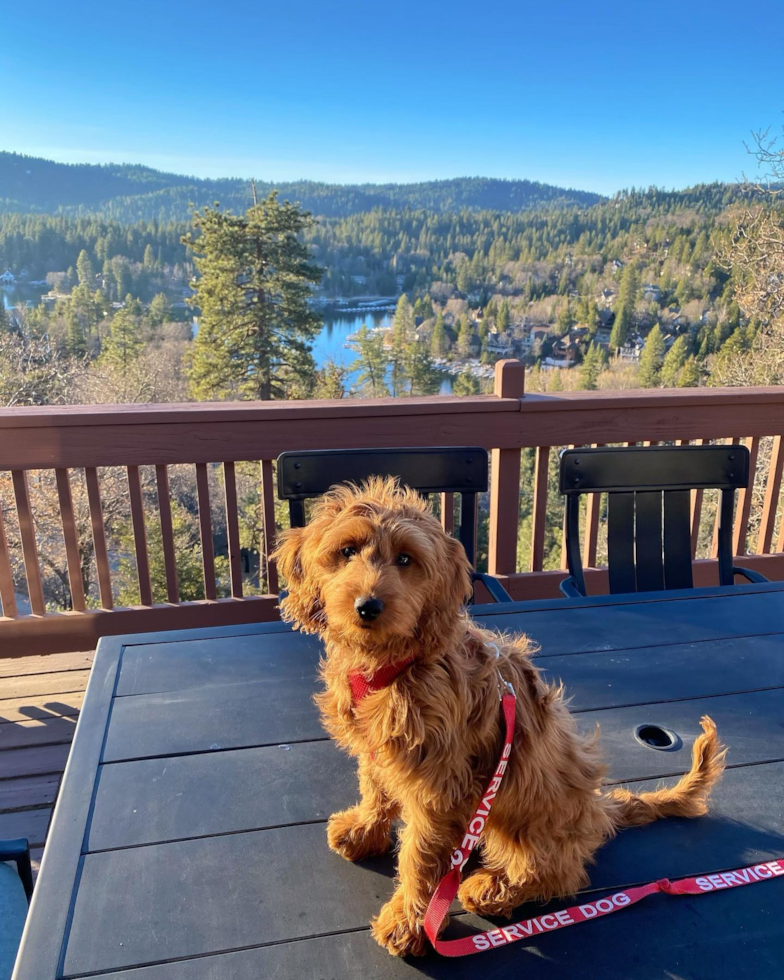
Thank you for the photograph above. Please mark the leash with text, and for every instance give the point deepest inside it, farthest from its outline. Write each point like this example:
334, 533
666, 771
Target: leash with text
444, 895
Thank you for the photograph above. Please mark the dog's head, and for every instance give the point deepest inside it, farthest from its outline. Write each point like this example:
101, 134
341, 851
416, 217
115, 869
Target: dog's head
372, 565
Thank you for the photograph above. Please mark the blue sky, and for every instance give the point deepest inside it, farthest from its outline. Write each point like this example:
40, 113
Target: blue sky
596, 94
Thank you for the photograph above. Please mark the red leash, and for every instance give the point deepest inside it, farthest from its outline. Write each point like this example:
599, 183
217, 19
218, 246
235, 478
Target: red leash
438, 909
444, 895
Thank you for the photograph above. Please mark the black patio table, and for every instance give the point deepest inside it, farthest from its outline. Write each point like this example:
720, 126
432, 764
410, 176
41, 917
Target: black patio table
188, 842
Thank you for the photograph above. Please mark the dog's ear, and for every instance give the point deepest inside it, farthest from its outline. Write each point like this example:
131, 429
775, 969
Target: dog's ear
457, 584
302, 604
450, 590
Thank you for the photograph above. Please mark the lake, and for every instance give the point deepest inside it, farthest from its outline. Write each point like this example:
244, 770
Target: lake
329, 345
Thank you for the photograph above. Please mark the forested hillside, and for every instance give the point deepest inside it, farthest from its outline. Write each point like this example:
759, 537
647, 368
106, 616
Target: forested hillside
131, 193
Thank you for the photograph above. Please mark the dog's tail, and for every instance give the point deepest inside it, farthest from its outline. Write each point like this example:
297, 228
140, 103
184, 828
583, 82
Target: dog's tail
689, 796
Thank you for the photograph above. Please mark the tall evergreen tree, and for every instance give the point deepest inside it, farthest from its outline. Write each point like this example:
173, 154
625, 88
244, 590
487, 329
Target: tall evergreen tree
124, 343
466, 383
331, 381
423, 376
372, 363
75, 341
674, 360
590, 369
464, 336
438, 338
651, 359
504, 317
402, 332
690, 375
84, 270
160, 310
255, 325
624, 309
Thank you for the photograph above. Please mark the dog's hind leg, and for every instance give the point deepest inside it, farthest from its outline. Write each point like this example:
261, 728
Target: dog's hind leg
363, 830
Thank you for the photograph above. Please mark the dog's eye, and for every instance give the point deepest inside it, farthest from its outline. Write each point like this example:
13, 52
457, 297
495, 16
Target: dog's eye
348, 552
403, 559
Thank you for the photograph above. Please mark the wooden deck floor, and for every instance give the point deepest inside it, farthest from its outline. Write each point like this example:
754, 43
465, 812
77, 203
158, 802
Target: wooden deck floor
40, 699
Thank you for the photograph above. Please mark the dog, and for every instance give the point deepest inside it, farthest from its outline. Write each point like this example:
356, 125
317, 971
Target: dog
374, 575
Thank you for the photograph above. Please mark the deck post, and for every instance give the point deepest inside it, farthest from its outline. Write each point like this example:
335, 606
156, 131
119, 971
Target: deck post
505, 480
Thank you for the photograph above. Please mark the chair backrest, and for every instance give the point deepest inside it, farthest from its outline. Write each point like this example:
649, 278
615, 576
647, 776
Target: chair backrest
303, 475
643, 485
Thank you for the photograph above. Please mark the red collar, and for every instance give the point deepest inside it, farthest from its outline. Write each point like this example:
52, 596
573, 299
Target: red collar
361, 686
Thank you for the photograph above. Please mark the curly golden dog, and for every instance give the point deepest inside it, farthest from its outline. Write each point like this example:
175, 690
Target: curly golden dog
376, 576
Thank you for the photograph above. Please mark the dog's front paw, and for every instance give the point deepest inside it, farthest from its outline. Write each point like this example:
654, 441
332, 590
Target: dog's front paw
399, 931
351, 836
486, 893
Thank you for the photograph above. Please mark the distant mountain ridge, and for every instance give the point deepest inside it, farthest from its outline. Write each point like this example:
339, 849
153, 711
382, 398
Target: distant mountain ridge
130, 193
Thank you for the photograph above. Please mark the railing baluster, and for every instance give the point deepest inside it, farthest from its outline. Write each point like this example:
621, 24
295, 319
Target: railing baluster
99, 537
233, 529
564, 564
205, 529
714, 553
505, 481
29, 547
268, 520
772, 493
71, 540
695, 516
139, 535
448, 512
167, 534
744, 501
780, 542
7, 596
591, 537
540, 507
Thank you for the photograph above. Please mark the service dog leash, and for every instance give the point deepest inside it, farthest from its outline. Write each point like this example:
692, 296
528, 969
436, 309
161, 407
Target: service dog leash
444, 895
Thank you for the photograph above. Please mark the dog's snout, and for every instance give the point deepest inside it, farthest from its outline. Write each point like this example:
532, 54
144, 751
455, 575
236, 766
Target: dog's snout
368, 607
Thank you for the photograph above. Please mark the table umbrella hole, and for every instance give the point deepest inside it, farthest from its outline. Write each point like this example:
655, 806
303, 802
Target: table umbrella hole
656, 737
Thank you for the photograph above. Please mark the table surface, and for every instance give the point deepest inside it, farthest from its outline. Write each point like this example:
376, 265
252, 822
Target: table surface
188, 842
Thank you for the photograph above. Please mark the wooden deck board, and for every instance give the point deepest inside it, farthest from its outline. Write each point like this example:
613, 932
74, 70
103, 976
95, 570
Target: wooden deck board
40, 700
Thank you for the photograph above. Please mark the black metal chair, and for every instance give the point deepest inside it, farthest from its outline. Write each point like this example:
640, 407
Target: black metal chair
304, 475
644, 552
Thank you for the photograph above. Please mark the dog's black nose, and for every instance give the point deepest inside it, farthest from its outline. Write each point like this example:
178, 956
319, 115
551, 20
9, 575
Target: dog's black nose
368, 608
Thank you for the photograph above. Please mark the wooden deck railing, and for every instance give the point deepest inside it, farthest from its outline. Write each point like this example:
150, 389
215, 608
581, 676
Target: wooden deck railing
523, 432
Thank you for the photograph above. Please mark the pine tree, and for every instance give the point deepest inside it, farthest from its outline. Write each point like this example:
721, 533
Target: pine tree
565, 319
84, 270
402, 333
255, 280
674, 360
331, 381
627, 297
75, 341
438, 338
504, 317
589, 371
160, 310
149, 258
466, 383
464, 336
555, 380
651, 359
372, 363
423, 376
124, 343
5, 320
690, 374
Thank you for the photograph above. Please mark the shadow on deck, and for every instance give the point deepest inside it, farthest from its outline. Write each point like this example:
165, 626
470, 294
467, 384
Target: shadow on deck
40, 700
